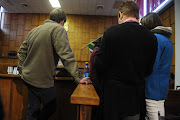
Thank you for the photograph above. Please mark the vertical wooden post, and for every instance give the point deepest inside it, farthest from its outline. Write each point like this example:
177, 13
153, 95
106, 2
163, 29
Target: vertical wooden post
85, 112
84, 96
78, 112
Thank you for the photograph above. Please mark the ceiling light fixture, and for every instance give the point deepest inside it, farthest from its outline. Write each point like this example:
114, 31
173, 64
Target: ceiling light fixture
145, 7
55, 3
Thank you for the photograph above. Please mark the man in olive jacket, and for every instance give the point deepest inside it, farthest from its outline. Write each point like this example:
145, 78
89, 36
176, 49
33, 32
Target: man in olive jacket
38, 58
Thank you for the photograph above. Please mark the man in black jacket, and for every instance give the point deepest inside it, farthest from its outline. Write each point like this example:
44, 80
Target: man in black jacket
126, 55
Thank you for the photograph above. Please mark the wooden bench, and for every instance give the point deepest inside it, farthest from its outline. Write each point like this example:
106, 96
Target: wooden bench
84, 96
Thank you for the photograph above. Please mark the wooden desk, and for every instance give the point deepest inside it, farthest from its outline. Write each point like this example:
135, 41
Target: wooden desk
15, 98
84, 96
18, 76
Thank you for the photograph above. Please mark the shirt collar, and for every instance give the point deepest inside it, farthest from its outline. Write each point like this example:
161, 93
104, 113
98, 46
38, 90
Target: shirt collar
132, 20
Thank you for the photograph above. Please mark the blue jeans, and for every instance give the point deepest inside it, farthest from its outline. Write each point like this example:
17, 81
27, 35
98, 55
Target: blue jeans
38, 96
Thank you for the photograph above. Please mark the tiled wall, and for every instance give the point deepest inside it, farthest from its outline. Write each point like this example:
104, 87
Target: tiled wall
81, 30
169, 21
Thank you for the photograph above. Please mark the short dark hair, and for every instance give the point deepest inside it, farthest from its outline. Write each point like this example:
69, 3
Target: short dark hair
130, 9
57, 15
151, 20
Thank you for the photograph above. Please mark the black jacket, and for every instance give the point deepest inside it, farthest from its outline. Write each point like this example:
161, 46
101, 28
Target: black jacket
126, 55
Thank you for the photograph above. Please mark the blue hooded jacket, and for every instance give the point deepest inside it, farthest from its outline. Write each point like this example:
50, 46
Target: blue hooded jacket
157, 82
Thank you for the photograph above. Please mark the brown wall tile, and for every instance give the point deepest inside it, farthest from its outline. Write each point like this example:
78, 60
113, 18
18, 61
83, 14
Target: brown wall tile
81, 31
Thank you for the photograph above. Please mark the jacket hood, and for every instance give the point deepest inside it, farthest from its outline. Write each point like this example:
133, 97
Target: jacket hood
166, 31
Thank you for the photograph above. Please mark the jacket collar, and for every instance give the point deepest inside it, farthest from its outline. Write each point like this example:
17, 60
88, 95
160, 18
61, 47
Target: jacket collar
166, 31
49, 21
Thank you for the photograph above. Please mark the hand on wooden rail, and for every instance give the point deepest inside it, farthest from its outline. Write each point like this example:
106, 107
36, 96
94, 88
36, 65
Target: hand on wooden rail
85, 80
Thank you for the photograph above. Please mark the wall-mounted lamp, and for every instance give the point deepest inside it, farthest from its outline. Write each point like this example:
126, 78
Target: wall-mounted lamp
66, 24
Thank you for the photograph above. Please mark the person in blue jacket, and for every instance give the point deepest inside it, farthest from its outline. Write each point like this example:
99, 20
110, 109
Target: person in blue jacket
157, 83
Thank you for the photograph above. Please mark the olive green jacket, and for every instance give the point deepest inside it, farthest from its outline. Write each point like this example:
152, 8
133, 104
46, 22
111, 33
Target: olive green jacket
39, 54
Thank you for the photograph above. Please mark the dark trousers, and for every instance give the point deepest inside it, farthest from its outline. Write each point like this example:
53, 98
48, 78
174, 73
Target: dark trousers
135, 117
38, 96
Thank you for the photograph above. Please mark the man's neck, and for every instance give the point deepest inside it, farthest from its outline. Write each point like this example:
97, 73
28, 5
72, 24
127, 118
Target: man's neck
130, 19
126, 18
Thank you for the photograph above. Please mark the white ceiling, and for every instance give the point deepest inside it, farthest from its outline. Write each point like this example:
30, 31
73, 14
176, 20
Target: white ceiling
81, 7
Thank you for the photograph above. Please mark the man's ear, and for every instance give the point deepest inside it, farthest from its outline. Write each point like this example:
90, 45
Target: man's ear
121, 15
62, 23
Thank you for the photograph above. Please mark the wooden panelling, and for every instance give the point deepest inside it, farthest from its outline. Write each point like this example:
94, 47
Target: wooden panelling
71, 29
173, 33
26, 33
168, 19
41, 22
173, 60
21, 19
65, 110
15, 99
85, 37
19, 100
5, 40
27, 25
79, 21
28, 16
14, 24
35, 19
172, 15
81, 31
5, 91
13, 35
167, 22
100, 28
93, 35
171, 82
20, 30
14, 16
19, 40
4, 51
114, 22
43, 17
12, 46
108, 22
166, 14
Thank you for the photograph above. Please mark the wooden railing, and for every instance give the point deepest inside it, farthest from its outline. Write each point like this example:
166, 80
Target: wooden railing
84, 96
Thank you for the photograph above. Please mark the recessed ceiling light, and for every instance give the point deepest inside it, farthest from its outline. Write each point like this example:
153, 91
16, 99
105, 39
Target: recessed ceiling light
100, 6
24, 5
55, 3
